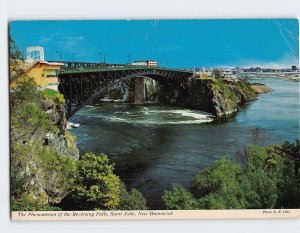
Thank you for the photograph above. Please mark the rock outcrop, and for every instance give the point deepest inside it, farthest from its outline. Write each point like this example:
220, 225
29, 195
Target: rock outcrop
43, 153
61, 141
261, 88
218, 97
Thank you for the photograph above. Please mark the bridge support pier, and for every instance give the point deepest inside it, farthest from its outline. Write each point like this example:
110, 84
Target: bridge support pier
137, 93
139, 90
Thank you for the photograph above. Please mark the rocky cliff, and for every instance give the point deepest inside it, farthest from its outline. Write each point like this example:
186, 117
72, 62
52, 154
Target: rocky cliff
216, 96
219, 97
43, 152
60, 141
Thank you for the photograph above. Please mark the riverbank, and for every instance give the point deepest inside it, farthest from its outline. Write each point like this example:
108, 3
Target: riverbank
219, 97
261, 88
150, 153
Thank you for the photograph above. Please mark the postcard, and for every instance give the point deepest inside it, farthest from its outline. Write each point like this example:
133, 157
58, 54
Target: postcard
154, 119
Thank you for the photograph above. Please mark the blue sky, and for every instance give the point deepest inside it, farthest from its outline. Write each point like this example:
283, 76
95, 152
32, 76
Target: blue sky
183, 43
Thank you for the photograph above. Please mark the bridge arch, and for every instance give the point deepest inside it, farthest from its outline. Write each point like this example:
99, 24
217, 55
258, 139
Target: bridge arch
80, 87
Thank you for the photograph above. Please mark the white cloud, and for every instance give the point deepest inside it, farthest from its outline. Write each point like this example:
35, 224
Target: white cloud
285, 62
74, 40
169, 48
45, 40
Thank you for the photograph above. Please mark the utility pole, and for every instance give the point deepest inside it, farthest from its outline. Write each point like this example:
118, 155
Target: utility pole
166, 60
194, 72
59, 54
100, 57
129, 58
104, 56
73, 56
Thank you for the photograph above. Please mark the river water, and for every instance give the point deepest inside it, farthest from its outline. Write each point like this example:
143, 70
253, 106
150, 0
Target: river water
154, 146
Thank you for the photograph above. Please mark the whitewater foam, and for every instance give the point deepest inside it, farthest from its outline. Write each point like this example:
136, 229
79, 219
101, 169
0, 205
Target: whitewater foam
193, 117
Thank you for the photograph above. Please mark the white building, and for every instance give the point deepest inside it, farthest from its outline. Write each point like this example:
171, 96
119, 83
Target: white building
227, 73
35, 53
203, 70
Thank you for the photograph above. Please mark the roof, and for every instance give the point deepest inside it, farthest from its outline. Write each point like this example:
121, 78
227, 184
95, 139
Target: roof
32, 64
27, 65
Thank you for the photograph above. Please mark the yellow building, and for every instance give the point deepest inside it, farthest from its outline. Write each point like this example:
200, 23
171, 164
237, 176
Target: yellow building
44, 73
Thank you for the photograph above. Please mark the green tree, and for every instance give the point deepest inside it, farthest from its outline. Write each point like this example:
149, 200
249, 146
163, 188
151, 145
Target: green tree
267, 179
180, 199
263, 173
14, 52
27, 113
133, 200
290, 152
290, 185
218, 187
15, 60
97, 186
211, 179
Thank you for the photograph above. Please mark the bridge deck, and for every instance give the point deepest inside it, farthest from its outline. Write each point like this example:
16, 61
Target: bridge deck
121, 68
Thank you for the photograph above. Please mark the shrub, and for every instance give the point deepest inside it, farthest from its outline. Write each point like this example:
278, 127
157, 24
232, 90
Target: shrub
133, 200
179, 199
53, 94
266, 180
97, 186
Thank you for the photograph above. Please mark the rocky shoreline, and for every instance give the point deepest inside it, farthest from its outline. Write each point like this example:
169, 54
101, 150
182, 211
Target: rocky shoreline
219, 97
261, 88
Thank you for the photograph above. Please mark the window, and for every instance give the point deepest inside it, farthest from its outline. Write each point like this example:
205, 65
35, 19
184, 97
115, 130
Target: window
51, 76
35, 55
50, 73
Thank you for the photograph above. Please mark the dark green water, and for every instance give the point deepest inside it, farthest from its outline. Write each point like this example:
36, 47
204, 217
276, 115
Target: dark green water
154, 146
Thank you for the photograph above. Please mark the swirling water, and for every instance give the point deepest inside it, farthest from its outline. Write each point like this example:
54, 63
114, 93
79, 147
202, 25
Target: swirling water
154, 146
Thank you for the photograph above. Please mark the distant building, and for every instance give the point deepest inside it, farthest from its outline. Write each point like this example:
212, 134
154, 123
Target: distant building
294, 68
35, 53
203, 70
238, 70
258, 69
44, 73
225, 73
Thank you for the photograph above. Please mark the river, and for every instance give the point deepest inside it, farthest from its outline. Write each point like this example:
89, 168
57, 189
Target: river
154, 146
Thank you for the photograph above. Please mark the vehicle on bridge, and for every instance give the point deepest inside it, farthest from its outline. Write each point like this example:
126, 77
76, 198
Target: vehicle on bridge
147, 63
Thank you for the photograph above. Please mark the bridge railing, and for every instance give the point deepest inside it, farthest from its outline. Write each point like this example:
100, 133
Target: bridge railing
101, 68
98, 68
